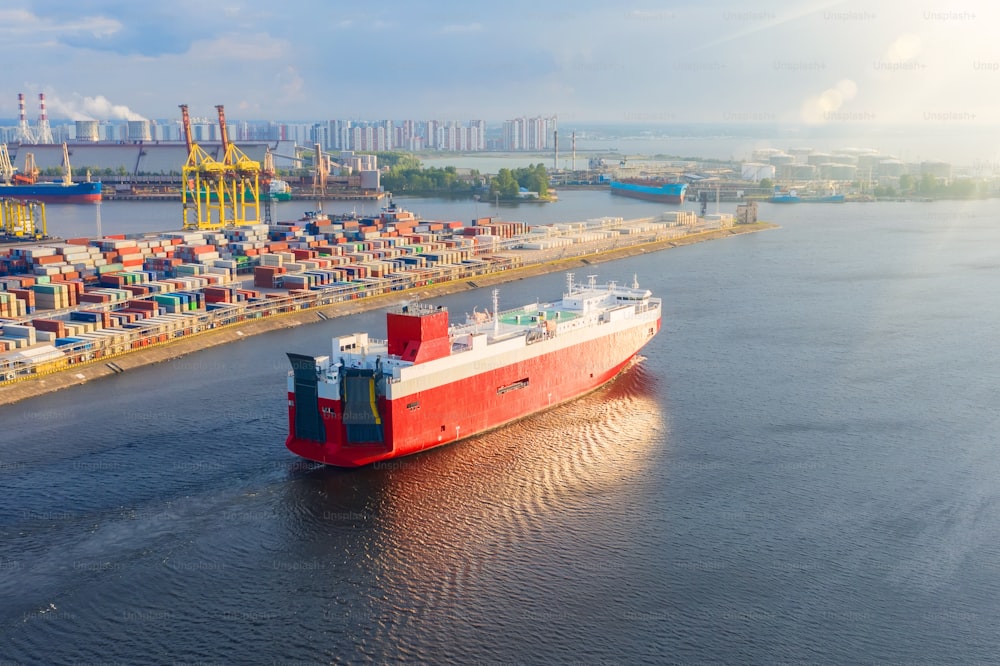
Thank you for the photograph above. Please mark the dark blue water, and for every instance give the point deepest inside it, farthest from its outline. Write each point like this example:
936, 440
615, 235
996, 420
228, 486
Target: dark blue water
802, 468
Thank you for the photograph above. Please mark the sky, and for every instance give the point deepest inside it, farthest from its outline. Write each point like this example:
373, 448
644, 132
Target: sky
932, 65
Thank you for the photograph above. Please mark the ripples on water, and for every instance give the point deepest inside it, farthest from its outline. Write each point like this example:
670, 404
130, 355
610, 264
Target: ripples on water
436, 554
803, 468
456, 540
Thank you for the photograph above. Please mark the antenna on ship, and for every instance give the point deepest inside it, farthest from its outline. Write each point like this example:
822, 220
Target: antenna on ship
635, 281
569, 283
496, 312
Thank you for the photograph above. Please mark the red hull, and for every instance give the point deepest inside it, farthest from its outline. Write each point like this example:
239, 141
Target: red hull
659, 198
451, 412
73, 199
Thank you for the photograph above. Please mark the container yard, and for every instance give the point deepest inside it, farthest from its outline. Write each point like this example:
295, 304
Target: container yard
66, 303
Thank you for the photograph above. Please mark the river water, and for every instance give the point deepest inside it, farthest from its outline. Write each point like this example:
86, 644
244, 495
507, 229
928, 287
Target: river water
802, 467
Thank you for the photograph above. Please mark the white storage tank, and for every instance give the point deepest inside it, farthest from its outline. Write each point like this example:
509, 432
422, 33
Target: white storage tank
780, 159
756, 171
834, 171
138, 130
891, 168
87, 130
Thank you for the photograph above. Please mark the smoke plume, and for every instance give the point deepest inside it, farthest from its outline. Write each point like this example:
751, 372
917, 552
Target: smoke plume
82, 107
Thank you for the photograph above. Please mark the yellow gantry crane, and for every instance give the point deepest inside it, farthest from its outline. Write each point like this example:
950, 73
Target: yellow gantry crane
267, 174
203, 188
20, 219
242, 178
220, 193
23, 219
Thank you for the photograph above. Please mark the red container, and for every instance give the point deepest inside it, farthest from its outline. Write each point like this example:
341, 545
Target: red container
26, 295
50, 325
142, 306
217, 295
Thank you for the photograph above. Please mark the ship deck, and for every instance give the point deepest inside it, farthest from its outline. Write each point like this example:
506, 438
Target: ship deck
529, 314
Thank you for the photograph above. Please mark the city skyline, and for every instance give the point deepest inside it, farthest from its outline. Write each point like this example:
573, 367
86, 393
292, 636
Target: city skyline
827, 63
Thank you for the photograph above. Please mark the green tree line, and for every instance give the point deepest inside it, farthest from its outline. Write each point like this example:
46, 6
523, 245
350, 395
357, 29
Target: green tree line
402, 179
406, 175
507, 182
929, 186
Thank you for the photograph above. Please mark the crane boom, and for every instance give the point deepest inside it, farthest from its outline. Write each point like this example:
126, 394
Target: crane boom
6, 166
222, 128
186, 124
67, 169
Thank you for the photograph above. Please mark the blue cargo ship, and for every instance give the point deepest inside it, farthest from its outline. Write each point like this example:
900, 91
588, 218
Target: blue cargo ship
651, 190
794, 197
52, 192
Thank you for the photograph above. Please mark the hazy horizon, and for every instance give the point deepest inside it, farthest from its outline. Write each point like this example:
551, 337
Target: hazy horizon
848, 67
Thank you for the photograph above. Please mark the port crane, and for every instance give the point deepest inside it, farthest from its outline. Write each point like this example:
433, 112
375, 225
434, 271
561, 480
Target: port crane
23, 219
29, 174
67, 169
241, 178
8, 172
321, 172
203, 190
7, 169
267, 174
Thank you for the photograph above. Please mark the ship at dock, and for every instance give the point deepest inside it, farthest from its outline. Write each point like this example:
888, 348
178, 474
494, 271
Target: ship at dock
431, 383
661, 191
793, 196
25, 186
52, 192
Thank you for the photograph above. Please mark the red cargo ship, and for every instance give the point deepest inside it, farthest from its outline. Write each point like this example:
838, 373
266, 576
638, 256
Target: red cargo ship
429, 383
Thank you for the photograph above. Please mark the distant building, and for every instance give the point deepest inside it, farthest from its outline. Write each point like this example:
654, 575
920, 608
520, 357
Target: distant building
529, 134
940, 170
138, 130
87, 130
756, 171
890, 168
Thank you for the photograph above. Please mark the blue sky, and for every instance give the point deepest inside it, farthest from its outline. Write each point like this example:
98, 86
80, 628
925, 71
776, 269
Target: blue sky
821, 63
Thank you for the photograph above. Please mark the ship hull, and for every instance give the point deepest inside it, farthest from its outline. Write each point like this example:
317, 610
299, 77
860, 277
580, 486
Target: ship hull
475, 402
669, 193
785, 199
53, 192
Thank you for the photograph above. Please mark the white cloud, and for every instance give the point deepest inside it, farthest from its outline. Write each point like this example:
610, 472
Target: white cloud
22, 22
291, 82
233, 47
462, 28
82, 107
